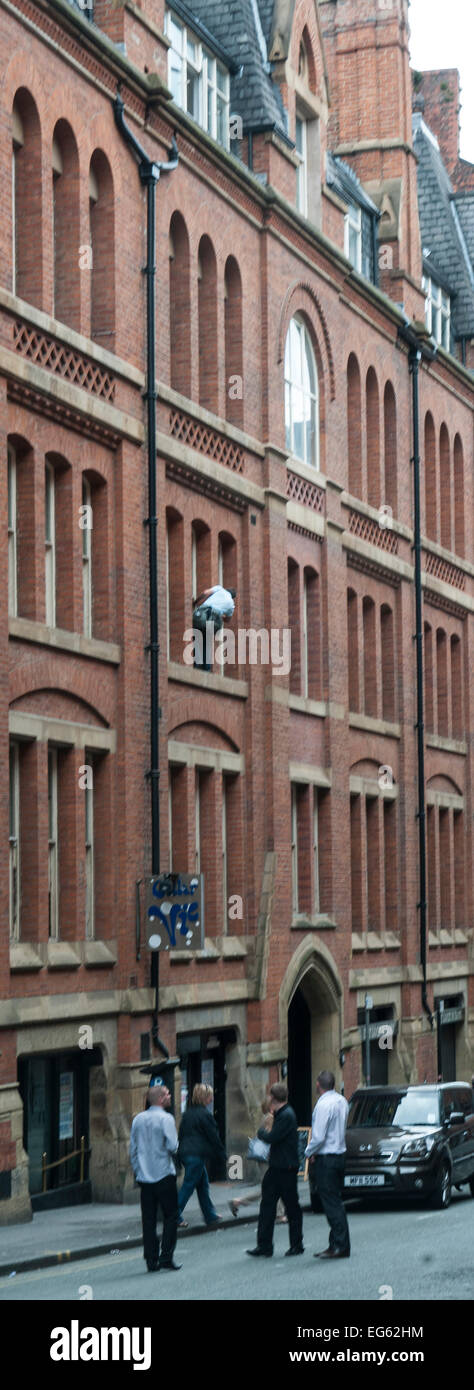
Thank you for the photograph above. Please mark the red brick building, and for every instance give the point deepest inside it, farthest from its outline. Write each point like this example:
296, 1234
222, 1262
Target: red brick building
289, 261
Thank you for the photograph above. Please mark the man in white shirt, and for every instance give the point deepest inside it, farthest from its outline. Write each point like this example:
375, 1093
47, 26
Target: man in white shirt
153, 1141
327, 1151
212, 606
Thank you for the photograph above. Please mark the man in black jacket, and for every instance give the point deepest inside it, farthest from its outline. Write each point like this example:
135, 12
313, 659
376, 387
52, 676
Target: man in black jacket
199, 1140
281, 1178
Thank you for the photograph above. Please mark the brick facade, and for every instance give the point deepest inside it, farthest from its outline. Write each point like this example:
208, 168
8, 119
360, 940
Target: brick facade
308, 549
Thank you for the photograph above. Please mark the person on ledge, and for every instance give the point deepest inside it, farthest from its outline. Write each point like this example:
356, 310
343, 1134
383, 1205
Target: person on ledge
281, 1178
211, 607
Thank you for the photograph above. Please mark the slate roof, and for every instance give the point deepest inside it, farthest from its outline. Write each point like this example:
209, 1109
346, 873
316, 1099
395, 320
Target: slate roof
464, 203
442, 230
238, 27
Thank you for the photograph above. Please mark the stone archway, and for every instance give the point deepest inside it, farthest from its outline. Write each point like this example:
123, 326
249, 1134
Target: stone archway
311, 1021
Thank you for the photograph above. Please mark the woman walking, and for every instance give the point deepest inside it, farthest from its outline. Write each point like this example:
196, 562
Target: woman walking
199, 1140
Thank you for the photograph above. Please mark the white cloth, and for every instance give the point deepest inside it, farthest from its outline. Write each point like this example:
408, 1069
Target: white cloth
153, 1139
328, 1125
221, 600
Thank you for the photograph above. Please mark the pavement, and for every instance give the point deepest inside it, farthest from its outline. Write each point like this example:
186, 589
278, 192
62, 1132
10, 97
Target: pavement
98, 1228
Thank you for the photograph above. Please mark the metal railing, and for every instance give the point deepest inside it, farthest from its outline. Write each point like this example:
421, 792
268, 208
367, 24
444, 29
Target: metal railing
81, 1153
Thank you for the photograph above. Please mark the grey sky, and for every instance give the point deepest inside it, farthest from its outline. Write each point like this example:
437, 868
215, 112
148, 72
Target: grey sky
442, 36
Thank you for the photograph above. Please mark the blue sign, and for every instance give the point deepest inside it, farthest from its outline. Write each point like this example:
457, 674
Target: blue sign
175, 912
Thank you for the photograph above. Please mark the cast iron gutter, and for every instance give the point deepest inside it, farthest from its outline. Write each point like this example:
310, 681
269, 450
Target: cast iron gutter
150, 172
418, 347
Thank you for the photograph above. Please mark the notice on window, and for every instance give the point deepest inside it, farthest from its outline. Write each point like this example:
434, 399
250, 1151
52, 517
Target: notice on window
66, 1105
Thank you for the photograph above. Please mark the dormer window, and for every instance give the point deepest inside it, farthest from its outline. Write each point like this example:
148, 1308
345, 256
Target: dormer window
353, 236
301, 143
437, 312
198, 81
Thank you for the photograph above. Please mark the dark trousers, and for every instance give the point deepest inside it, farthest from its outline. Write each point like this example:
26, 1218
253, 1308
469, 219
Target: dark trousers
206, 622
329, 1174
162, 1194
279, 1182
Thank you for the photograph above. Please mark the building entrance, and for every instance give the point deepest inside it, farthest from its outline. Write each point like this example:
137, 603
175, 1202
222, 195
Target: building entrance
55, 1094
313, 1038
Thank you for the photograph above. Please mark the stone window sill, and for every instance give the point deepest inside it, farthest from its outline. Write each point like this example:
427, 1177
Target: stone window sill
216, 948
62, 955
317, 921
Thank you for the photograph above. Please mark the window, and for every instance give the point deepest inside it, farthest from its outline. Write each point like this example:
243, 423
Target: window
301, 395
353, 235
198, 81
53, 864
437, 312
87, 558
316, 852
14, 841
294, 848
12, 536
18, 143
50, 546
301, 142
224, 853
89, 827
197, 823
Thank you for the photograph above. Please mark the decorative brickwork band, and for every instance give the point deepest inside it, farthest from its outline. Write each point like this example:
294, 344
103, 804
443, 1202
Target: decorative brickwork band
61, 360
369, 530
443, 569
206, 440
300, 490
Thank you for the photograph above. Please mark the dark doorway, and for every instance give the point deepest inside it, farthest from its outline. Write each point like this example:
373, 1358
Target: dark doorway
55, 1093
299, 1059
203, 1060
448, 1051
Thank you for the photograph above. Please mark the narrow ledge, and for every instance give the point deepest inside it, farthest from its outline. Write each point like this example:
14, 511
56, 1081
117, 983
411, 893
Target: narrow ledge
23, 956
319, 921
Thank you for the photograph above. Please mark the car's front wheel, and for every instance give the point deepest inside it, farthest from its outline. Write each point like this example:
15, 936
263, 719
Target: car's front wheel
442, 1192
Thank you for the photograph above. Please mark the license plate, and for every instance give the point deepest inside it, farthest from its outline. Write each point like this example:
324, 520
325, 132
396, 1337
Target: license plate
364, 1180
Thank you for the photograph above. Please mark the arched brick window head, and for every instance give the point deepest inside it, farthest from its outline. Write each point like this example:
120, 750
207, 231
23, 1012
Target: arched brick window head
27, 223
354, 427
233, 344
208, 346
180, 306
66, 236
102, 241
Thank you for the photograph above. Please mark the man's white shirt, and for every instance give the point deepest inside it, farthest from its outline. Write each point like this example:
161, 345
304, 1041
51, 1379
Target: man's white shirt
220, 600
153, 1140
328, 1125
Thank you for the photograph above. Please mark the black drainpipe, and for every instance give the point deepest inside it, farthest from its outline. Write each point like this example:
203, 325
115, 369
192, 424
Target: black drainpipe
417, 350
150, 172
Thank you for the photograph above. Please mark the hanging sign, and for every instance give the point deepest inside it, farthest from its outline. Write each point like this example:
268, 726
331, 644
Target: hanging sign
175, 912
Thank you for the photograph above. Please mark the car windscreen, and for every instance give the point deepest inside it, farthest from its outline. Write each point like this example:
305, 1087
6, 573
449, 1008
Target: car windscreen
380, 1111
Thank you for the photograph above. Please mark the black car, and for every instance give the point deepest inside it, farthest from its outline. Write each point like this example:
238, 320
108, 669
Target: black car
405, 1141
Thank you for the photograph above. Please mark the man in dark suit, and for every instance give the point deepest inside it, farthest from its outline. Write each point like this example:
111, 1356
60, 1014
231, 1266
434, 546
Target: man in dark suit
281, 1178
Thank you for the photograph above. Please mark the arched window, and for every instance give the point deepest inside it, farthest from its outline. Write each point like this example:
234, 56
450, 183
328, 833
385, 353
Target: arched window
301, 395
60, 542
429, 680
445, 487
27, 233
207, 301
442, 682
176, 583
456, 689
458, 497
370, 657
390, 448
180, 307
388, 663
233, 344
66, 236
354, 427
373, 439
311, 636
101, 210
201, 558
294, 623
95, 557
353, 650
431, 510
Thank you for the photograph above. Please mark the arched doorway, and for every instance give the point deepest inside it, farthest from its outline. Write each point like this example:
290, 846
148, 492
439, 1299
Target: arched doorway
313, 1000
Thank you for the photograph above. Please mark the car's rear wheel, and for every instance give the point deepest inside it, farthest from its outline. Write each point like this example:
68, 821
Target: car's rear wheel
442, 1192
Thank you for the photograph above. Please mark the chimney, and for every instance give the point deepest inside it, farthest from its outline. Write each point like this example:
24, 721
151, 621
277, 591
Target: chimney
438, 95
